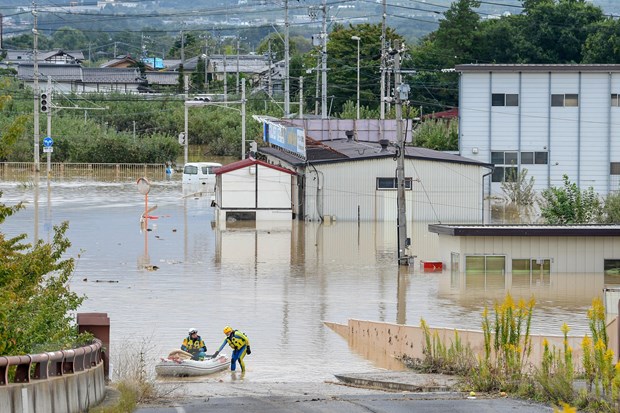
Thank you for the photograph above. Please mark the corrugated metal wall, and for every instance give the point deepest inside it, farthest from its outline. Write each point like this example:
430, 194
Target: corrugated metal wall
569, 254
442, 191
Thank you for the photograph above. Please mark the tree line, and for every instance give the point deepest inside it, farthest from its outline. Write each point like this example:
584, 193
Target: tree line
546, 31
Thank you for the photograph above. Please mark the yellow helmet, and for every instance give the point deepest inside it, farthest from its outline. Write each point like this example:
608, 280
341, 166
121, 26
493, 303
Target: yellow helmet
228, 330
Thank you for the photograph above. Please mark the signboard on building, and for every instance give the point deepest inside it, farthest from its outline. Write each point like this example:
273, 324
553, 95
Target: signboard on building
291, 138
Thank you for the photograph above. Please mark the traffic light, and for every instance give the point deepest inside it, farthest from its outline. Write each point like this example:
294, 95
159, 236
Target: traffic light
44, 102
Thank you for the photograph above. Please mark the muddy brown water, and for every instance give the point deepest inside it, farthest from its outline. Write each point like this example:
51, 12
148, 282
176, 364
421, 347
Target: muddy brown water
277, 283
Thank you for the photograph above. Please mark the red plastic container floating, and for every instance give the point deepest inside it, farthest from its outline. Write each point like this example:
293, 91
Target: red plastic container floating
432, 266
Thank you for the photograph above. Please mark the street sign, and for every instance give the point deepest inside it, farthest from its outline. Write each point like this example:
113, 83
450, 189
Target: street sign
48, 142
48, 149
182, 138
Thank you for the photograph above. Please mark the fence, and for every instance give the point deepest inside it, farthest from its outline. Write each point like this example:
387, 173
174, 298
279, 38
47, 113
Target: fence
70, 381
47, 365
24, 171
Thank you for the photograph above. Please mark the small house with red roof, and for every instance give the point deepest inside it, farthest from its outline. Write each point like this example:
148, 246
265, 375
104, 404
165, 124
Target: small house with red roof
253, 190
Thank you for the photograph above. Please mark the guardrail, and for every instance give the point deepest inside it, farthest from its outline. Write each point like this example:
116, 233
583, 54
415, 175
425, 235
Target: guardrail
53, 364
103, 171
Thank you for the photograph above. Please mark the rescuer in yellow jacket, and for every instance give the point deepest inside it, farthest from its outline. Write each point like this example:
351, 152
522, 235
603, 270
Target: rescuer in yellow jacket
240, 344
193, 344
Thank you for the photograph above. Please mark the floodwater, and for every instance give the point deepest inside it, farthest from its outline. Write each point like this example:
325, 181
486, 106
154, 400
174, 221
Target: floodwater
277, 283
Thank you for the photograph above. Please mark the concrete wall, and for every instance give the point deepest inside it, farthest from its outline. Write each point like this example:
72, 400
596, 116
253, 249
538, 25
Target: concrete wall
71, 393
395, 340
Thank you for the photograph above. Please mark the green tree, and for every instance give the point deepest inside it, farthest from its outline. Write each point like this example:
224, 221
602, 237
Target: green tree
519, 195
68, 38
456, 32
441, 135
558, 29
452, 43
342, 63
612, 208
570, 205
603, 45
520, 190
26, 42
36, 304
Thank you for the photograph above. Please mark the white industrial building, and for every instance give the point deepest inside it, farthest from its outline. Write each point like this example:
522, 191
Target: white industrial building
252, 190
529, 249
350, 180
549, 119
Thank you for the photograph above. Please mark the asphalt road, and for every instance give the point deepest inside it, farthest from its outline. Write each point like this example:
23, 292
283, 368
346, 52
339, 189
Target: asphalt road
332, 397
379, 402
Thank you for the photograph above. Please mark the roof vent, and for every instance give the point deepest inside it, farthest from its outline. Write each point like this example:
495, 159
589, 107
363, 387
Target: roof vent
384, 144
349, 134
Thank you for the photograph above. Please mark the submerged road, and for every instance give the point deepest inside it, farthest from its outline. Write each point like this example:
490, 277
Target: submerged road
243, 397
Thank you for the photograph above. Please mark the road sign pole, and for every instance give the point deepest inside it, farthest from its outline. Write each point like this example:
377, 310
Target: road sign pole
49, 124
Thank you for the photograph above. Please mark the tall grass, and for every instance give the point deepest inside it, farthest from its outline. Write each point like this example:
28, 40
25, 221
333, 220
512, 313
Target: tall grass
504, 362
456, 358
132, 382
507, 346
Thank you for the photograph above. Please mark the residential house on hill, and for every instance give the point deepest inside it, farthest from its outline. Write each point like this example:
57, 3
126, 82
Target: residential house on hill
14, 58
73, 78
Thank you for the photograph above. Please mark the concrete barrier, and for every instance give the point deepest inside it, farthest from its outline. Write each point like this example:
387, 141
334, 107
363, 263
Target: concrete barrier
71, 393
64, 381
379, 340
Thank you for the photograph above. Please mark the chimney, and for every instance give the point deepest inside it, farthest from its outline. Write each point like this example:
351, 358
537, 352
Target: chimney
349, 134
384, 144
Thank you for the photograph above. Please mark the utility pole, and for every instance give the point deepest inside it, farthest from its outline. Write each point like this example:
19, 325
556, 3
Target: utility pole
206, 64
49, 122
301, 97
243, 118
317, 89
383, 67
35, 75
287, 91
186, 126
237, 87
182, 49
324, 63
225, 79
269, 86
400, 94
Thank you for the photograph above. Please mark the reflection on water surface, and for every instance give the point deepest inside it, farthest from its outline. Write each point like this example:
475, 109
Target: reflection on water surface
276, 283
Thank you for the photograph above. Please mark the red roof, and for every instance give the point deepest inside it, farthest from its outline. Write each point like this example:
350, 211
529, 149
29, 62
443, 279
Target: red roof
249, 162
447, 114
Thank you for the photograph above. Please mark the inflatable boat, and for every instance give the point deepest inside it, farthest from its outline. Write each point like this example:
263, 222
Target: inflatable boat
173, 365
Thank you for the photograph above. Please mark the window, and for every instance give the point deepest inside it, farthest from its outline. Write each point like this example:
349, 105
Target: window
489, 264
541, 158
614, 99
568, 100
391, 184
571, 100
614, 168
501, 99
505, 166
527, 158
512, 100
612, 271
209, 170
190, 170
521, 266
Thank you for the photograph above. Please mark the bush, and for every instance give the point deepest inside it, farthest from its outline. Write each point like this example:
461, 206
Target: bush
36, 304
570, 205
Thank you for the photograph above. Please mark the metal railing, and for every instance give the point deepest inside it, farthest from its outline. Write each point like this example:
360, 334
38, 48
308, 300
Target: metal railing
22, 171
53, 364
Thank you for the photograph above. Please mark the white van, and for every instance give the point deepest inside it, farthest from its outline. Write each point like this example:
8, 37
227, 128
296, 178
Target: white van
200, 173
